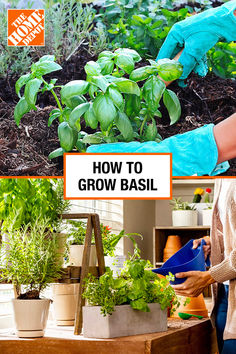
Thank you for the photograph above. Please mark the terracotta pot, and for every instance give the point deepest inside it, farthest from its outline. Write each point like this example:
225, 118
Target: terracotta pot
173, 244
196, 306
184, 217
64, 303
30, 317
76, 255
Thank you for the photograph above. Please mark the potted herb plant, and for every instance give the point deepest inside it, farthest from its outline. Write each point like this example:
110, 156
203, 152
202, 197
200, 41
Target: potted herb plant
183, 213
135, 302
29, 260
202, 201
110, 241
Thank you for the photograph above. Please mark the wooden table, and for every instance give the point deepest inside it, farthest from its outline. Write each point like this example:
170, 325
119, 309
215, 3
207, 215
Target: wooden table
182, 337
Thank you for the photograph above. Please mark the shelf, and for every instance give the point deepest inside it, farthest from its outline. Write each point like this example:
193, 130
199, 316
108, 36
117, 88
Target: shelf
194, 181
199, 227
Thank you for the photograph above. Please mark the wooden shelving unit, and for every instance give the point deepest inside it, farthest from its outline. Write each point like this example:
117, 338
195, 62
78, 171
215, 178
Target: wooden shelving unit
160, 234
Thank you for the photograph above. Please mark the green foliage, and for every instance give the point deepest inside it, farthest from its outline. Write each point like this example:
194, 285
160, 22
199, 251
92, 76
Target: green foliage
135, 286
68, 24
29, 257
122, 109
178, 204
26, 200
222, 60
76, 232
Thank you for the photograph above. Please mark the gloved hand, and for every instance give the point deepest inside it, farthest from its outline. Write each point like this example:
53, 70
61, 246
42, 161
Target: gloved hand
197, 34
193, 153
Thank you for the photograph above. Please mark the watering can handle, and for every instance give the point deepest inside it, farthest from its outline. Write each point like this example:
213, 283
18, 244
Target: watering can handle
207, 261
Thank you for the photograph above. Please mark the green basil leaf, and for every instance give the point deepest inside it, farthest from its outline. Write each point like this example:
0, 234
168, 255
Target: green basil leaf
153, 90
21, 108
92, 68
117, 98
169, 70
74, 118
41, 68
125, 62
47, 58
92, 139
52, 117
150, 133
106, 65
31, 90
90, 118
132, 105
124, 125
92, 89
127, 86
21, 82
104, 110
106, 54
172, 104
143, 73
101, 82
131, 52
56, 153
74, 88
67, 136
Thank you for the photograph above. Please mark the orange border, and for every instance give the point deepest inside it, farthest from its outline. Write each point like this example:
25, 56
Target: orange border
114, 153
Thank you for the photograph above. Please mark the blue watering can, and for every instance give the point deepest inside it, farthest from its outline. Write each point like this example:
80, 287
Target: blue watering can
185, 260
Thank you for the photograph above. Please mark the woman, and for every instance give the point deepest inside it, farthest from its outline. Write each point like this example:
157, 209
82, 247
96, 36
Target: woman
222, 275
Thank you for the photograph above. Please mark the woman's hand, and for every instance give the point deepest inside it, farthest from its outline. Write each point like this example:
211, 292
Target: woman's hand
194, 284
206, 248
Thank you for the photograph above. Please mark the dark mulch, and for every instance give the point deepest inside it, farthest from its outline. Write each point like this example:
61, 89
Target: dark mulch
24, 150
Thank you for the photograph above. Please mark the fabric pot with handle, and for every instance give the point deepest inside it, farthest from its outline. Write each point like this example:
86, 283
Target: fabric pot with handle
30, 317
76, 255
124, 321
64, 303
184, 217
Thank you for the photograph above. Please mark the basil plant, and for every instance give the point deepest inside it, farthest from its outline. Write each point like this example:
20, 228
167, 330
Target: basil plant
109, 101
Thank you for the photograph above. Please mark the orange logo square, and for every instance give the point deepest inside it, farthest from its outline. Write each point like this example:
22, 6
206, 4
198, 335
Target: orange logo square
25, 27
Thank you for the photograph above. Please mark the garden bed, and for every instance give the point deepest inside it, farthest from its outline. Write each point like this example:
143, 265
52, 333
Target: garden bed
25, 150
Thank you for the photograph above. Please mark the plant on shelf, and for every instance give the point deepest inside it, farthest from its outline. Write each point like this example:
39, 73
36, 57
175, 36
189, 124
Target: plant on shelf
178, 204
207, 198
30, 261
109, 102
198, 193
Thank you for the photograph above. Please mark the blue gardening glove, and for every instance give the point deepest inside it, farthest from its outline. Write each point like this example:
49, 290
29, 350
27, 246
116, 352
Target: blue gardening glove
194, 152
197, 34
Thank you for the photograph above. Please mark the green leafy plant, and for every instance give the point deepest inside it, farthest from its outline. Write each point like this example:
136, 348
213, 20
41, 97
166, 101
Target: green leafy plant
178, 204
110, 240
76, 232
26, 200
29, 258
108, 99
222, 60
135, 286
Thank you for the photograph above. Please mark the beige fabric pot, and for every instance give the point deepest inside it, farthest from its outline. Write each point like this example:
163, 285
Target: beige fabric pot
30, 317
76, 255
64, 303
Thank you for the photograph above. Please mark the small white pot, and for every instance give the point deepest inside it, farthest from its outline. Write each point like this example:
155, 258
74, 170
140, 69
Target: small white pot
30, 317
207, 217
116, 263
64, 303
76, 255
124, 321
184, 217
200, 207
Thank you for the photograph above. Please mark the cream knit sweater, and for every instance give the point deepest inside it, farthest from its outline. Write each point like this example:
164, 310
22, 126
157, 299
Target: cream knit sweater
223, 254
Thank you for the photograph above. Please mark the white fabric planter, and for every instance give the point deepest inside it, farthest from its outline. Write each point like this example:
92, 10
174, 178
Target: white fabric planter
64, 303
124, 321
184, 217
76, 255
116, 263
30, 317
207, 217
200, 207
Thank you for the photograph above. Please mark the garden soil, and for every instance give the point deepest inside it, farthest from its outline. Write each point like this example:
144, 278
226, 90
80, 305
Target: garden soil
24, 151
